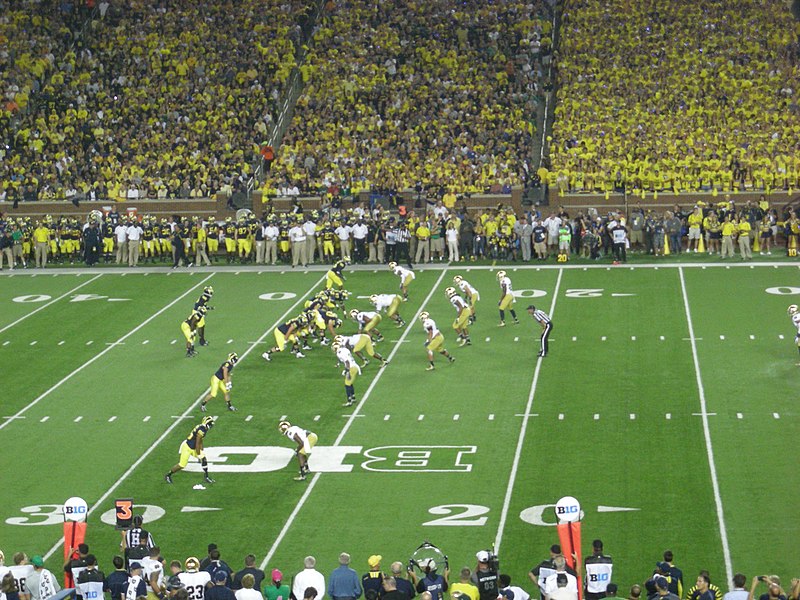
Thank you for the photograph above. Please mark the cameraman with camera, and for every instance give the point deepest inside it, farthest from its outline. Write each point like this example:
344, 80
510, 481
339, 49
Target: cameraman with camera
486, 575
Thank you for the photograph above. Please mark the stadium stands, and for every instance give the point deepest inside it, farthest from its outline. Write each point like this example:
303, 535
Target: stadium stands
681, 95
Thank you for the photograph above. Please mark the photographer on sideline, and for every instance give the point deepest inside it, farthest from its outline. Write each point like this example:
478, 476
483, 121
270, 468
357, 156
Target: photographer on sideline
485, 576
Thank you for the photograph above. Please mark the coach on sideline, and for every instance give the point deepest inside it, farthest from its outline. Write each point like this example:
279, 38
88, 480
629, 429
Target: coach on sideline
547, 326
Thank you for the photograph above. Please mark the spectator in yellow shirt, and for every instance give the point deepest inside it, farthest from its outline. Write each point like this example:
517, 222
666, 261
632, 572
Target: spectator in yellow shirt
744, 230
41, 239
694, 220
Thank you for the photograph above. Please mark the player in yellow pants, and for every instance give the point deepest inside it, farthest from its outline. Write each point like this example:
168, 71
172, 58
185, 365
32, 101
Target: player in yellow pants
358, 343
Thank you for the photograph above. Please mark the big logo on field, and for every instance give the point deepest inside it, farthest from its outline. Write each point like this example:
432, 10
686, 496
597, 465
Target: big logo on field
340, 459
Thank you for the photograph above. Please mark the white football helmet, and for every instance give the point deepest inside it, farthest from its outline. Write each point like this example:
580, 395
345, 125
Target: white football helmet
283, 426
500, 275
336, 346
374, 298
792, 309
458, 279
450, 292
423, 316
354, 313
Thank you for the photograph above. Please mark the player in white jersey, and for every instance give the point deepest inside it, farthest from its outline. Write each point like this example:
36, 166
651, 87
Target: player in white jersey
368, 323
350, 373
506, 299
193, 580
153, 573
462, 316
358, 342
406, 277
3, 568
435, 341
470, 293
21, 570
390, 303
794, 315
305, 440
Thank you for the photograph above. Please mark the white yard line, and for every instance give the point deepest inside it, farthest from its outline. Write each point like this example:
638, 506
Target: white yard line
53, 301
99, 503
105, 351
300, 503
523, 429
723, 533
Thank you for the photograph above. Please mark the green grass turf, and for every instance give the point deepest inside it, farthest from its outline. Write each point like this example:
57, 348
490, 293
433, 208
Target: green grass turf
649, 462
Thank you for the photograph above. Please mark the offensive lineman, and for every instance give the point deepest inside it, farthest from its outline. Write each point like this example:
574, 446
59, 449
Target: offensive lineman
193, 446
462, 317
506, 299
305, 440
222, 379
435, 341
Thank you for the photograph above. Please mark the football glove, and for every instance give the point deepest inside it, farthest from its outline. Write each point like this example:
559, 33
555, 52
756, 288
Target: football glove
229, 386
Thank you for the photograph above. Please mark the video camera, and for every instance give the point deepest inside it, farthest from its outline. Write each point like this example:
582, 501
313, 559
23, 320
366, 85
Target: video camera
490, 558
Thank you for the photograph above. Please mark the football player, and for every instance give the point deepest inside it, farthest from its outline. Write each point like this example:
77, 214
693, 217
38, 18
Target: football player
194, 579
390, 303
406, 277
368, 323
435, 341
334, 276
462, 316
287, 333
305, 440
222, 379
230, 239
471, 294
350, 372
189, 329
506, 299
204, 300
358, 342
192, 446
794, 315
328, 321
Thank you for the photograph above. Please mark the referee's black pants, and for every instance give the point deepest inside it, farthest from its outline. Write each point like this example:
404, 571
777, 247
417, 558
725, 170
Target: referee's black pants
544, 339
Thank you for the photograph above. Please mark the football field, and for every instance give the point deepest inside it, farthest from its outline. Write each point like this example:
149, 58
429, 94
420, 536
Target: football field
667, 406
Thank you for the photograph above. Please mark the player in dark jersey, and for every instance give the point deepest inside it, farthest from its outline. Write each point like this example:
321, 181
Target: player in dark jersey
189, 329
192, 446
203, 301
288, 333
334, 277
222, 379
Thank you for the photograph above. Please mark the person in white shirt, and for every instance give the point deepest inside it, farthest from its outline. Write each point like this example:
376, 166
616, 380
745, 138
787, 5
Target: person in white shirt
390, 303
308, 577
552, 224
310, 227
368, 322
505, 584
121, 233
360, 231
739, 591
560, 580
305, 440
451, 235
435, 341
134, 233
191, 578
271, 233
343, 233
350, 373
248, 592
297, 236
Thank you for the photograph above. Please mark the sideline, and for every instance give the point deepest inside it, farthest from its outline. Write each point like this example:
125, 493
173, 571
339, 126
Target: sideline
300, 503
523, 429
99, 502
723, 532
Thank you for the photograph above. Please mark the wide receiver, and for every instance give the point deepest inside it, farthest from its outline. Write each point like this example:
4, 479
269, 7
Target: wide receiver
794, 315
192, 446
305, 441
222, 379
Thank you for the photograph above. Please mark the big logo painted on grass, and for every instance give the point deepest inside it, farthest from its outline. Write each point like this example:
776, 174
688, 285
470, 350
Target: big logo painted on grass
340, 459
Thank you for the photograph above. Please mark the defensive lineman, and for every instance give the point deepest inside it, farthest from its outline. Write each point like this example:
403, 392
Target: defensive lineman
305, 441
546, 324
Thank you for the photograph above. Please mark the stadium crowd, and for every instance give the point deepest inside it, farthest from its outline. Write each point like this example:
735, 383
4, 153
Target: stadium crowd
155, 99
399, 94
144, 573
679, 96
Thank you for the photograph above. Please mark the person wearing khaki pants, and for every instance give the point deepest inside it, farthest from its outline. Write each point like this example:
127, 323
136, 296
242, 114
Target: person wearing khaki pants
200, 247
41, 241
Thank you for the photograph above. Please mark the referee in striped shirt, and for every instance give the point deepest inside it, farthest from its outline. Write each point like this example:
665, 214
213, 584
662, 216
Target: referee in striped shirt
547, 326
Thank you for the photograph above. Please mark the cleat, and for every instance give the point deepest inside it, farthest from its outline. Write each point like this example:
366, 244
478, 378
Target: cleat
462, 341
208, 479
349, 403
366, 362
299, 354
306, 347
324, 342
384, 363
203, 343
430, 368
168, 477
231, 408
379, 338
265, 356
452, 359
203, 408
502, 324
300, 477
516, 321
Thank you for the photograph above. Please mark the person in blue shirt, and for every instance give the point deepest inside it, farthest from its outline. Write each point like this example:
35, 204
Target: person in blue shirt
344, 583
